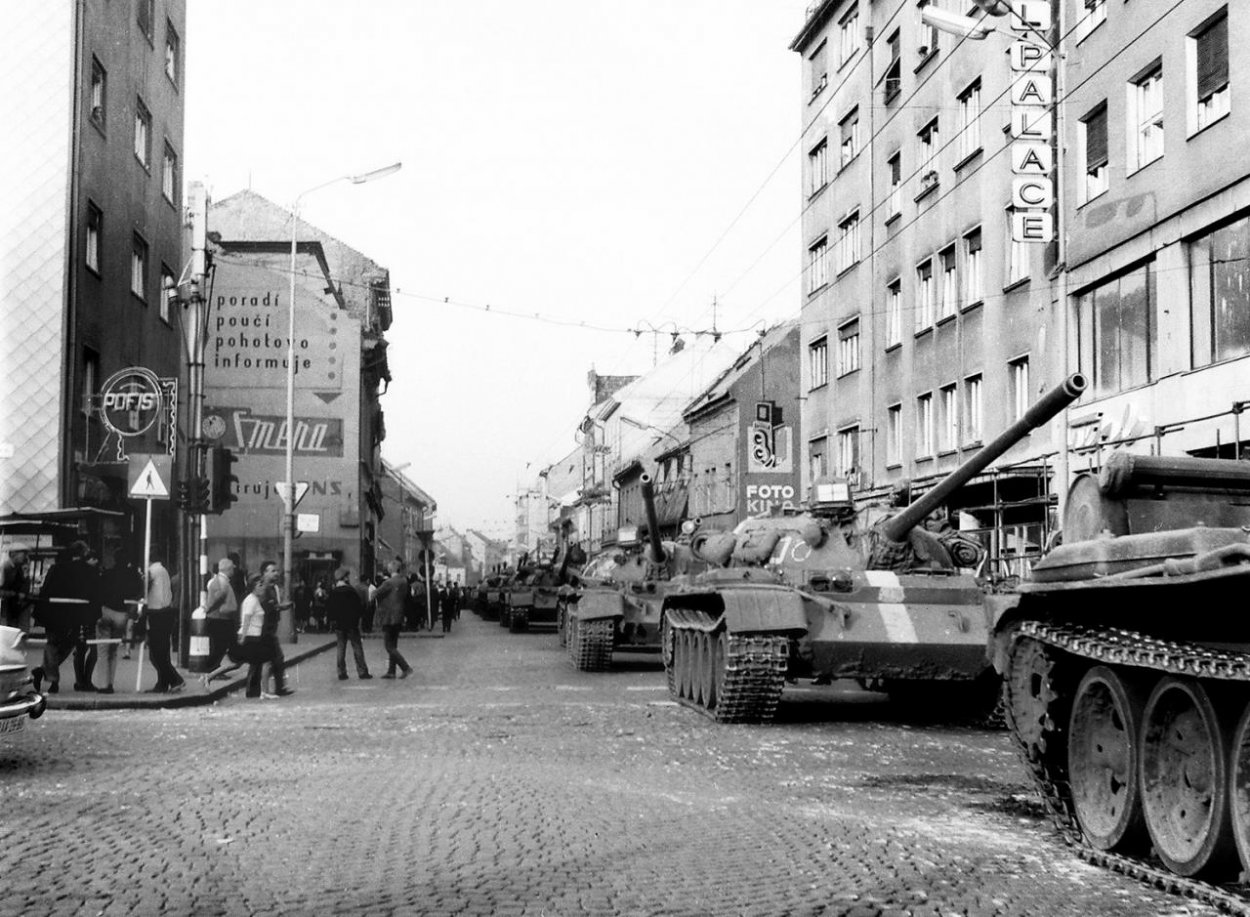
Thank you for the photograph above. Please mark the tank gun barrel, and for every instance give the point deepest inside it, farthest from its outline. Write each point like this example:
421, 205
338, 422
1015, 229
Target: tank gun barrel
1050, 404
656, 548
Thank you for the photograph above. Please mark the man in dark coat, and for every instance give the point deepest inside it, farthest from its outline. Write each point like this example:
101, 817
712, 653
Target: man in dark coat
392, 599
344, 608
69, 596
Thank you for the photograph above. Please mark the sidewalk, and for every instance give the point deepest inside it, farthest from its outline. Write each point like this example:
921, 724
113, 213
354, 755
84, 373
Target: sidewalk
127, 698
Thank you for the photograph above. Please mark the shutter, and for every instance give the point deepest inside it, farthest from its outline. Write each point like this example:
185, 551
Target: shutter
1213, 59
1096, 140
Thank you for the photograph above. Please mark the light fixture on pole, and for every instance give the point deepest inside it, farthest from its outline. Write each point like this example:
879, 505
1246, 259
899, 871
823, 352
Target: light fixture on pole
288, 529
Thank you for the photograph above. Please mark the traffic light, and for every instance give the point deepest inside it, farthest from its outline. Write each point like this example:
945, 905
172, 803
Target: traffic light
218, 462
184, 496
201, 495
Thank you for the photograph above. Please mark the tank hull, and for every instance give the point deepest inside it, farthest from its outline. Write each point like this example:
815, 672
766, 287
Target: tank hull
605, 619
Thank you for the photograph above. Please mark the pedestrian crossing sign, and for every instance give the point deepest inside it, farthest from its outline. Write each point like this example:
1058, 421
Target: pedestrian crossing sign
150, 476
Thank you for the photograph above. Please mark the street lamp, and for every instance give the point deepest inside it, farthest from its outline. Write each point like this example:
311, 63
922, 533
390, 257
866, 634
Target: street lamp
289, 528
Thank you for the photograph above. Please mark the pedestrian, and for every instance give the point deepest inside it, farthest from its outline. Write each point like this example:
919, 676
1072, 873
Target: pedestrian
447, 607
256, 647
391, 597
64, 587
160, 612
371, 604
302, 606
14, 585
238, 578
87, 619
344, 609
274, 661
221, 613
121, 587
319, 596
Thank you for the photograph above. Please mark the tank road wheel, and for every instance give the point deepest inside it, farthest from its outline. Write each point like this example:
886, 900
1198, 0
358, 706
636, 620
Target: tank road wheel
720, 657
1239, 790
687, 665
707, 670
1184, 785
1030, 702
1103, 759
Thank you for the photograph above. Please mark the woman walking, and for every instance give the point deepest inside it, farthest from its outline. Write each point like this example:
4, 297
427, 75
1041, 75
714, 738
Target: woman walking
391, 598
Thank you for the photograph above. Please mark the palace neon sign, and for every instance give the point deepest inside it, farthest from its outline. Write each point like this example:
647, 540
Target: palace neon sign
1032, 125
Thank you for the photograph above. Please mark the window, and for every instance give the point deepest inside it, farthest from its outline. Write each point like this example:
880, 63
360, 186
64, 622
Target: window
146, 15
818, 69
894, 69
1089, 18
928, 140
894, 206
818, 165
1117, 325
99, 91
924, 426
848, 242
848, 348
817, 464
817, 265
974, 283
894, 317
928, 34
818, 361
1211, 77
924, 294
1017, 255
848, 452
168, 289
1220, 293
173, 47
973, 417
95, 236
1146, 117
848, 35
894, 435
850, 138
1092, 134
950, 282
948, 419
139, 267
143, 133
169, 175
90, 379
1018, 374
969, 121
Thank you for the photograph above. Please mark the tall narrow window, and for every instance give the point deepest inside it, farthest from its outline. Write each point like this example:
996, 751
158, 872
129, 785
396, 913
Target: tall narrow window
894, 317
1018, 372
818, 360
1146, 98
894, 207
818, 466
974, 283
928, 145
168, 289
948, 419
894, 434
1093, 136
950, 282
848, 35
973, 416
818, 69
1017, 254
818, 166
90, 379
99, 91
1211, 52
169, 175
139, 267
928, 34
970, 120
848, 452
173, 52
924, 426
924, 294
848, 242
95, 234
1117, 331
894, 69
850, 137
817, 265
143, 133
848, 347
146, 13
1220, 293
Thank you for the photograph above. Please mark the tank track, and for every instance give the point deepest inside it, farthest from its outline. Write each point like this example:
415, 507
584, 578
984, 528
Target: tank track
755, 670
590, 643
1122, 647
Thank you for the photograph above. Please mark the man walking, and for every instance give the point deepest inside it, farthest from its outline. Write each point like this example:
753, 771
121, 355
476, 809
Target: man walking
221, 613
270, 647
391, 597
161, 616
344, 608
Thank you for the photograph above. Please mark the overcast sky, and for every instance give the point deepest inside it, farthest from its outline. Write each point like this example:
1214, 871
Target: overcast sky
607, 163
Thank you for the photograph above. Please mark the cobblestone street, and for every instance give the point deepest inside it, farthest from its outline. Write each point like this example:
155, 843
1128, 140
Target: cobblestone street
498, 780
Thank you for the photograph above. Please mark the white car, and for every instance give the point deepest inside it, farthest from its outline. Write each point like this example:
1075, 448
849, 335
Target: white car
19, 693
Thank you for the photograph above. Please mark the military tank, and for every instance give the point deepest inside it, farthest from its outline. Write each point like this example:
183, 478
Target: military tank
1126, 672
823, 596
621, 597
538, 589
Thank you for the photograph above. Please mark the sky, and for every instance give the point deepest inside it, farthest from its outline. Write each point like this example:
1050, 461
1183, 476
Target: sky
572, 170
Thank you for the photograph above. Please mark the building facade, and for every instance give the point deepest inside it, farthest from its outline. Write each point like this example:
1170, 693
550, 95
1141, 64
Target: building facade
91, 236
407, 512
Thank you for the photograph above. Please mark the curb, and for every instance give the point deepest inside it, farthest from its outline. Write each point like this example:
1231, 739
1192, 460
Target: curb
170, 701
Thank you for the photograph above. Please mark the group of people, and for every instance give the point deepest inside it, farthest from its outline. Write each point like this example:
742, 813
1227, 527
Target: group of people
83, 606
242, 614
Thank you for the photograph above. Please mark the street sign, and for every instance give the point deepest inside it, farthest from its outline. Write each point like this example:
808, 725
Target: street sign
284, 490
150, 476
308, 522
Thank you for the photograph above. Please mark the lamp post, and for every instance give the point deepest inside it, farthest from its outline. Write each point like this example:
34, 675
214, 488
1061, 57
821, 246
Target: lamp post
288, 536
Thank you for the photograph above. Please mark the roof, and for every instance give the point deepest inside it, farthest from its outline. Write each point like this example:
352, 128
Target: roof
723, 386
406, 483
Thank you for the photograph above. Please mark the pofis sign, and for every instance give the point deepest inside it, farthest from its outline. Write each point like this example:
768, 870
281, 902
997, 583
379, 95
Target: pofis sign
1032, 124
131, 401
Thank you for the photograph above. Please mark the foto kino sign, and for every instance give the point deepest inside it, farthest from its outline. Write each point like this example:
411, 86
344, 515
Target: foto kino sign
131, 401
1032, 125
